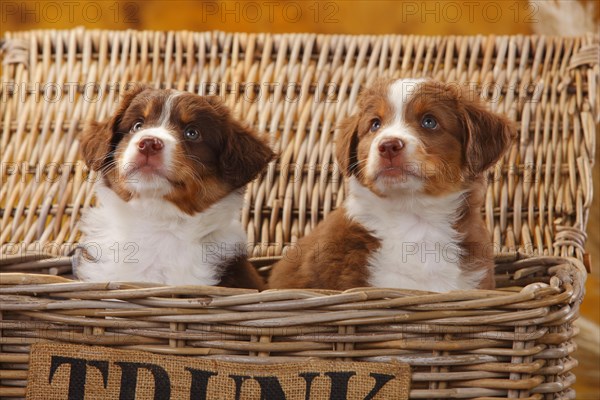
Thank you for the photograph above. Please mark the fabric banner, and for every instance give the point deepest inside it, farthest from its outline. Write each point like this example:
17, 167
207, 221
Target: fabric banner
75, 372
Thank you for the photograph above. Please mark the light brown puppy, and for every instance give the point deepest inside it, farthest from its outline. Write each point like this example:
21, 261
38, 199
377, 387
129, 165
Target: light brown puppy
415, 154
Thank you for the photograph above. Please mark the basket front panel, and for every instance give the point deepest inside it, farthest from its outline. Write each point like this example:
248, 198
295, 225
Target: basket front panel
515, 342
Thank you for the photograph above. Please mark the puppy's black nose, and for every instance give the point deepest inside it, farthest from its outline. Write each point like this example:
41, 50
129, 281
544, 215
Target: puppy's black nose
150, 145
390, 148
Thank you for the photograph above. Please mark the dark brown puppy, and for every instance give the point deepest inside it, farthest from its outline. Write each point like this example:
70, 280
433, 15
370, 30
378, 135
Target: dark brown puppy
173, 168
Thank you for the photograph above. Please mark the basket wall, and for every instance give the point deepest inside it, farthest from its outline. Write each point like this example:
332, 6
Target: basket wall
297, 88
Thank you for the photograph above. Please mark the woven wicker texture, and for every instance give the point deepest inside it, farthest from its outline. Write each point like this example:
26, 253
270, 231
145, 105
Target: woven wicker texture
296, 88
513, 342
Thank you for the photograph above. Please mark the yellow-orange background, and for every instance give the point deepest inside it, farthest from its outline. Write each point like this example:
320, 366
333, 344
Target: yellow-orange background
424, 17
371, 17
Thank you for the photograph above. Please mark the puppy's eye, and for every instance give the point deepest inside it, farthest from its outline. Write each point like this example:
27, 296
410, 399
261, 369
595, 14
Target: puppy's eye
137, 126
375, 124
428, 122
191, 134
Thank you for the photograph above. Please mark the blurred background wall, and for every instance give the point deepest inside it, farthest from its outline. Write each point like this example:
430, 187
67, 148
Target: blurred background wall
419, 17
370, 17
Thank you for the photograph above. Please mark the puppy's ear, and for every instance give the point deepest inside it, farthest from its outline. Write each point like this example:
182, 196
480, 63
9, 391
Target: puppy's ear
95, 142
488, 136
346, 143
99, 139
244, 155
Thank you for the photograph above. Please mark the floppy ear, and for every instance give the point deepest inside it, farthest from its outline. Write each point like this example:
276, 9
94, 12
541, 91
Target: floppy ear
346, 142
95, 142
488, 136
244, 155
99, 139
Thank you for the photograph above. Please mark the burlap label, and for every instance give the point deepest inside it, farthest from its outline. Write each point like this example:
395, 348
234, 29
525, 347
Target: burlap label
64, 371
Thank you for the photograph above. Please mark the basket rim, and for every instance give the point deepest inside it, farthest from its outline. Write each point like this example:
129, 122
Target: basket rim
18, 282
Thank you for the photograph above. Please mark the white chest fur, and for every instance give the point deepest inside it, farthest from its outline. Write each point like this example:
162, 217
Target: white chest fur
420, 249
151, 240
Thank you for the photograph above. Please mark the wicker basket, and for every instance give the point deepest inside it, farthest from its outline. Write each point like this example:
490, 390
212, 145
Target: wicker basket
513, 342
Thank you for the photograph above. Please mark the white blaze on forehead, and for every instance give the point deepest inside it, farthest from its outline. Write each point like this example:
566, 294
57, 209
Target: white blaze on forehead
400, 92
165, 114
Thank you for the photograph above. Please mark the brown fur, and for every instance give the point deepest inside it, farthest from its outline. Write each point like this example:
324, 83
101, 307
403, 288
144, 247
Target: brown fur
227, 157
469, 140
99, 139
239, 273
477, 242
353, 137
334, 256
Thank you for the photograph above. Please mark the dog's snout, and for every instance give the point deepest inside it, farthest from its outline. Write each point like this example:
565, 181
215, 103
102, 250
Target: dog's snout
150, 145
390, 148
